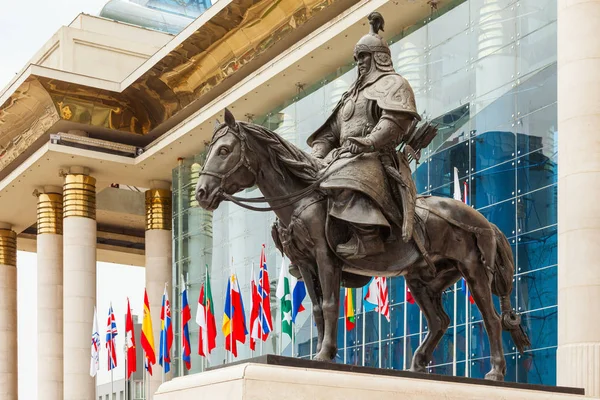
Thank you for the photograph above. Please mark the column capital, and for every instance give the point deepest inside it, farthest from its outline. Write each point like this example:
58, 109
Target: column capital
79, 196
49, 210
159, 211
156, 184
8, 246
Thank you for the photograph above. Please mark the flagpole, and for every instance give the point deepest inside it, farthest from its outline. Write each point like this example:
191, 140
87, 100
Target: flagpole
454, 339
345, 327
251, 297
405, 325
110, 350
380, 306
230, 311
181, 349
125, 364
467, 333
206, 305
163, 336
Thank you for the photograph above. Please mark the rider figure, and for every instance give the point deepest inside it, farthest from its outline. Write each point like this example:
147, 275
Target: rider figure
371, 119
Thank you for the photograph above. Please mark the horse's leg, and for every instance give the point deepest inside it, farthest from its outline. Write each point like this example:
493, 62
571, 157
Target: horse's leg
429, 298
330, 277
479, 284
313, 287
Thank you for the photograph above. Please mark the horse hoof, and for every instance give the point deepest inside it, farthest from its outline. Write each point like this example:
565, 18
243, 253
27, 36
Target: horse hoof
494, 376
321, 356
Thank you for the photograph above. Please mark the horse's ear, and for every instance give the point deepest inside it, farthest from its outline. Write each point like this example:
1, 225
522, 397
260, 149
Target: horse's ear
230, 119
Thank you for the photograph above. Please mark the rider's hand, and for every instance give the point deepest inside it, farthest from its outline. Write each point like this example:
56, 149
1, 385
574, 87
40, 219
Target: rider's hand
360, 145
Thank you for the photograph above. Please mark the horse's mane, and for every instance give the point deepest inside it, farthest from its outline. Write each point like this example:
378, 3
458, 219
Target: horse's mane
282, 154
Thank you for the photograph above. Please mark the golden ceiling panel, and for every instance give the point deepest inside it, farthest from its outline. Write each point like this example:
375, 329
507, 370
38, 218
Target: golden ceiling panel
237, 35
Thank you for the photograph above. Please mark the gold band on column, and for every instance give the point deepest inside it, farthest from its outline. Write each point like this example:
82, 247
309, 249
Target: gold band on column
79, 196
158, 209
50, 213
8, 247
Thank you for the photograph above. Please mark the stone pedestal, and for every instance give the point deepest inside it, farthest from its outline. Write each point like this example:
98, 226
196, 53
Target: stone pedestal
278, 378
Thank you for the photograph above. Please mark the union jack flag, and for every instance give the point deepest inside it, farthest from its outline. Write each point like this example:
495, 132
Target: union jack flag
111, 334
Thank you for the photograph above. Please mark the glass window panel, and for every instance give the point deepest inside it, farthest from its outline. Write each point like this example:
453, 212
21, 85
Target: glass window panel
421, 176
372, 333
503, 215
413, 319
396, 290
460, 342
538, 289
537, 249
442, 164
537, 209
397, 354
454, 127
354, 356
453, 23
397, 320
482, 366
372, 355
492, 148
493, 26
535, 14
409, 58
443, 352
412, 343
541, 326
355, 336
537, 170
537, 367
537, 49
493, 185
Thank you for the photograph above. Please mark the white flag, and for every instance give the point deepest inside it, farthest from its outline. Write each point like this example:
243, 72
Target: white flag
95, 353
457, 194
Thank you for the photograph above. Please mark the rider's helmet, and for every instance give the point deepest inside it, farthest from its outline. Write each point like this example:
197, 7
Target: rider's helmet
376, 45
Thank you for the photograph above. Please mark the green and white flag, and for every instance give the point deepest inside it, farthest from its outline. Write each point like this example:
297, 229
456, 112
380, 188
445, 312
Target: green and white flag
284, 295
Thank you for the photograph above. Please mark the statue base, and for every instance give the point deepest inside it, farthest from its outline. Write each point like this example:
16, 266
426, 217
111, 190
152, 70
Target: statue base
273, 377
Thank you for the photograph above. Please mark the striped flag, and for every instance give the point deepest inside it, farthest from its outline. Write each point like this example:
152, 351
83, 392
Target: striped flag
186, 316
147, 338
234, 317
95, 354
383, 304
264, 292
130, 343
111, 334
409, 297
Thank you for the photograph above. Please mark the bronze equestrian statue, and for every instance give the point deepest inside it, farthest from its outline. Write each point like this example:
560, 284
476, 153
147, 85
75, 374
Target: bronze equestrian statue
342, 212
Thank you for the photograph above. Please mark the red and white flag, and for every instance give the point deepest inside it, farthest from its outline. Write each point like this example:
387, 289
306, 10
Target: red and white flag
383, 304
130, 343
205, 318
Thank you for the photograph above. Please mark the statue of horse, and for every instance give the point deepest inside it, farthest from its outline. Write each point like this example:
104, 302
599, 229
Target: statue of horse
459, 241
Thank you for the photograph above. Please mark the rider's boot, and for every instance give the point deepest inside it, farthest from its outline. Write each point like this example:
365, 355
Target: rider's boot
365, 241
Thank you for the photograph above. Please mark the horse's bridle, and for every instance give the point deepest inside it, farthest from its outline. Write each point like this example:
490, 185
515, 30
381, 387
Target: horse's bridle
287, 199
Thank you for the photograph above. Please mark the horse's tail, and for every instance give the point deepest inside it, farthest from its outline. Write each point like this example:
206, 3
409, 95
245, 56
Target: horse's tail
502, 287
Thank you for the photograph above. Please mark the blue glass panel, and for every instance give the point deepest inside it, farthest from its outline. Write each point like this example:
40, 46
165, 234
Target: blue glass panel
396, 353
537, 209
492, 148
355, 336
396, 290
479, 343
538, 289
448, 303
413, 319
537, 170
340, 333
372, 355
412, 343
354, 356
537, 249
493, 185
542, 327
397, 320
538, 367
371, 326
503, 215
386, 354
482, 366
444, 191
445, 369
421, 176
460, 342
443, 353
442, 164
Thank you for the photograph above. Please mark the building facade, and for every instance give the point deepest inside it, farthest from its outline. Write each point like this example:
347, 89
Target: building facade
112, 156
485, 72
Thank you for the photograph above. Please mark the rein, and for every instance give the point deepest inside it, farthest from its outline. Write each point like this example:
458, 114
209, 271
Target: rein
288, 199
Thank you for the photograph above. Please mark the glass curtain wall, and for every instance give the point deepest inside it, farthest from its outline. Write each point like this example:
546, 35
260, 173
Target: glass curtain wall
485, 71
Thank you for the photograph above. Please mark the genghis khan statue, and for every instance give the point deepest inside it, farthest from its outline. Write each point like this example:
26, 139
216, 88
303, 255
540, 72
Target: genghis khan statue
371, 119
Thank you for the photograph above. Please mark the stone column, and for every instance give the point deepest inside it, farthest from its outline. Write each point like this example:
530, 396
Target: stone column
79, 281
578, 355
159, 246
50, 293
8, 313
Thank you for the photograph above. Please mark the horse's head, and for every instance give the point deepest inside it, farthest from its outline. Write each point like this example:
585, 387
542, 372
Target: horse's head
227, 168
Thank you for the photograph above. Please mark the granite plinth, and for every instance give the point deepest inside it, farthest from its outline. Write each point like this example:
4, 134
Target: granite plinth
277, 378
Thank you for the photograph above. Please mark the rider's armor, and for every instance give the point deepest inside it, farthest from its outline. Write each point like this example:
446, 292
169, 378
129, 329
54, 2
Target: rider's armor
375, 112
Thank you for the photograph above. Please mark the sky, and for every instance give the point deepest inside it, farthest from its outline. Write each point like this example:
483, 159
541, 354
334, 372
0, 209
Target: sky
25, 26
